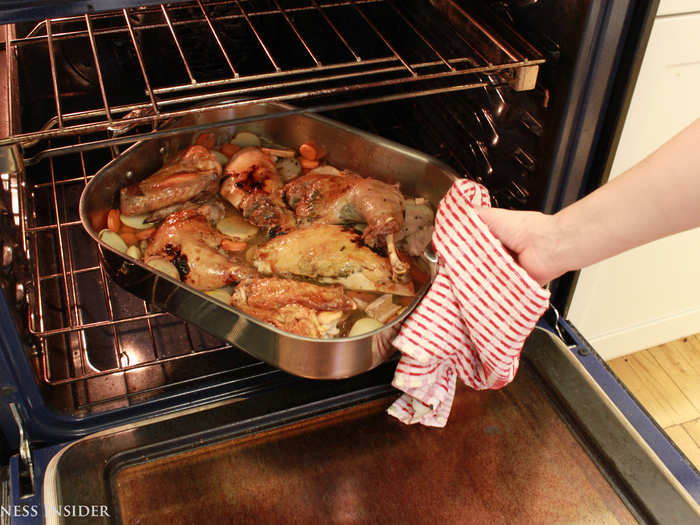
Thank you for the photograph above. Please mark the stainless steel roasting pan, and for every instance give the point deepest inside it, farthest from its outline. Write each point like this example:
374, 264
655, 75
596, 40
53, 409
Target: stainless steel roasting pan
419, 175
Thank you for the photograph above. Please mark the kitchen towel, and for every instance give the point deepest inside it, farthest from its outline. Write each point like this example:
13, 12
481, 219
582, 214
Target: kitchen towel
473, 321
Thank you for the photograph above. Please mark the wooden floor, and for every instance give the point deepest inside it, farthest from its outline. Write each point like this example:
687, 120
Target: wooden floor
666, 380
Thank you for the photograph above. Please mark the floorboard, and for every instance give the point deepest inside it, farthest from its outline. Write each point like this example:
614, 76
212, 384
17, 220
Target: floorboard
666, 381
655, 388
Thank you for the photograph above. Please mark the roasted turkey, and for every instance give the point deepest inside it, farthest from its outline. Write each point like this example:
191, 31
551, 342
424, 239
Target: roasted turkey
195, 248
348, 198
298, 307
329, 253
190, 174
254, 187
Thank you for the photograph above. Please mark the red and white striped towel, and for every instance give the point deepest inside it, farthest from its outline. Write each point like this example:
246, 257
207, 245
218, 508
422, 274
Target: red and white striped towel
473, 321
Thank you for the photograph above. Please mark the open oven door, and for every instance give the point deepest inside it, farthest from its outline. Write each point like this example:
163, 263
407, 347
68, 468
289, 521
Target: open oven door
551, 447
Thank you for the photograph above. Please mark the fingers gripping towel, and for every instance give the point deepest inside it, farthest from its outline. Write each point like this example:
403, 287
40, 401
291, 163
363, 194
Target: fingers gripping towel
473, 321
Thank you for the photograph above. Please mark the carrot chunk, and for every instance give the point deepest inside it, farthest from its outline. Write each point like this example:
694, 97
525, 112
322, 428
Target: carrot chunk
308, 150
113, 222
145, 234
308, 164
129, 238
207, 140
229, 149
233, 246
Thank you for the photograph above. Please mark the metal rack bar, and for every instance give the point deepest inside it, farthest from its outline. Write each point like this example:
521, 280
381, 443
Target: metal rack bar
110, 312
177, 44
335, 30
95, 324
54, 78
383, 38
71, 298
263, 77
50, 276
45, 227
9, 93
98, 68
216, 37
127, 368
305, 82
60, 183
421, 35
141, 64
258, 37
296, 32
484, 31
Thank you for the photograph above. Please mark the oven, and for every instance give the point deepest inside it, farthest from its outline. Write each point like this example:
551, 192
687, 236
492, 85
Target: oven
105, 394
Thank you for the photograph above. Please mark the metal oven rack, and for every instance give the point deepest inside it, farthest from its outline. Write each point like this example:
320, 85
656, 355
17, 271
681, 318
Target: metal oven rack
345, 48
95, 346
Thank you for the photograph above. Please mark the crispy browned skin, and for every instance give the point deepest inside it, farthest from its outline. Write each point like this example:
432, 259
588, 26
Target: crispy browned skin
290, 305
329, 253
292, 318
254, 187
273, 293
187, 239
348, 198
191, 173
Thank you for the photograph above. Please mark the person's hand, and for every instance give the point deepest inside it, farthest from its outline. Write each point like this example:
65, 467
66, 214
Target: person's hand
532, 237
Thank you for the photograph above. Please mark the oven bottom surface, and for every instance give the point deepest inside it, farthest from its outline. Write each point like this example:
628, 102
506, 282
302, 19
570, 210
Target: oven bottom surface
504, 457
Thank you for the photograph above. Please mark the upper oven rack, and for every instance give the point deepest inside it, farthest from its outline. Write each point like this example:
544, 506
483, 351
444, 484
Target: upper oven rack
478, 56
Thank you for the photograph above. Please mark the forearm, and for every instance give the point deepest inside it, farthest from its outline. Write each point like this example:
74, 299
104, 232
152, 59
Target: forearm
657, 197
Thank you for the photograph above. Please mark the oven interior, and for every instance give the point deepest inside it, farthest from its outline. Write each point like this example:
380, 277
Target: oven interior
441, 77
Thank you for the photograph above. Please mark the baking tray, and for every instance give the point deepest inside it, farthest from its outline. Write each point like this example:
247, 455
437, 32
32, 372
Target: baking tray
420, 175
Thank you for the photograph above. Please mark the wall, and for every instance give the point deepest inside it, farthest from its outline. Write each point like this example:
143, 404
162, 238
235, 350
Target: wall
650, 295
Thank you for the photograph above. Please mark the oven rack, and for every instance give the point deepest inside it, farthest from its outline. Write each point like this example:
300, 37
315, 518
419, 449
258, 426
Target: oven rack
423, 61
96, 346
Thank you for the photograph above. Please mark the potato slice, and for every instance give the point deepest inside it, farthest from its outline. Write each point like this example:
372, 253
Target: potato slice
288, 168
220, 294
382, 309
246, 138
220, 157
138, 222
325, 169
134, 251
236, 226
363, 326
113, 239
163, 265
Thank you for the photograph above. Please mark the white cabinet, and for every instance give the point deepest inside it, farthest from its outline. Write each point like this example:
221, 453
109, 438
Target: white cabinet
650, 295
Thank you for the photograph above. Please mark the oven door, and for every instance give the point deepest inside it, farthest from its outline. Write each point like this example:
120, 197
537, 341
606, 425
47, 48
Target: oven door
550, 448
